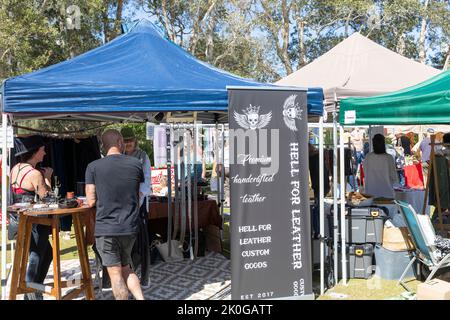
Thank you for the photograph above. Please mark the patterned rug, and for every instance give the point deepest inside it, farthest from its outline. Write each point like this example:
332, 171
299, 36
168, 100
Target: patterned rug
205, 278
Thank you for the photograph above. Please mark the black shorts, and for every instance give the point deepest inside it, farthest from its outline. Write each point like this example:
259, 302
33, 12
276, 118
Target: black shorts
115, 250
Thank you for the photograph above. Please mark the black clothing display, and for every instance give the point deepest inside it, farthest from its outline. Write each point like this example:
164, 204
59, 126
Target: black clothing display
116, 178
441, 166
405, 143
349, 163
314, 173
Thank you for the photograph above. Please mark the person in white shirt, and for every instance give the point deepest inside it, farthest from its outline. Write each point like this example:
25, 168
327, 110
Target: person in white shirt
380, 173
357, 138
425, 147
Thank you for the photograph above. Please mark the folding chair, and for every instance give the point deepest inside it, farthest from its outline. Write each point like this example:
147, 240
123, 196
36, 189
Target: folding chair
423, 235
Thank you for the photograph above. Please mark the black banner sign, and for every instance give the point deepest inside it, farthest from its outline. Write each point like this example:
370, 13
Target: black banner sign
270, 220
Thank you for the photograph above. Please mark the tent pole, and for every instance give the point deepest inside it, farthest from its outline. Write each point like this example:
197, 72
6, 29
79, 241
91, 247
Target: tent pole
189, 189
195, 190
343, 237
321, 209
217, 160
169, 188
176, 165
335, 199
222, 172
4, 199
183, 186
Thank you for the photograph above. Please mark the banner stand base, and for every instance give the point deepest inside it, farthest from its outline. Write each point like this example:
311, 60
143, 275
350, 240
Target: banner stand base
304, 297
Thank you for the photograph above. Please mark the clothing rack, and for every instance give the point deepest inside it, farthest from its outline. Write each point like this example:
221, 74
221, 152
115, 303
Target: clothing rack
442, 227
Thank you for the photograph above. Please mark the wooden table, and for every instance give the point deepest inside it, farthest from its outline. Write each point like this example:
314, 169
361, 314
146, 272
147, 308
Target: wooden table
208, 214
82, 216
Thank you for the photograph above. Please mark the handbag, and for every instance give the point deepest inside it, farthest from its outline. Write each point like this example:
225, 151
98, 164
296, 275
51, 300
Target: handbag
13, 226
176, 252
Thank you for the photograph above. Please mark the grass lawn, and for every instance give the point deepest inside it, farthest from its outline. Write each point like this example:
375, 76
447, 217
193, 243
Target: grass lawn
374, 288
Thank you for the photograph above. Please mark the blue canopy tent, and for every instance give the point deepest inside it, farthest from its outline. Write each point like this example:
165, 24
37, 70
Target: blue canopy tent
136, 74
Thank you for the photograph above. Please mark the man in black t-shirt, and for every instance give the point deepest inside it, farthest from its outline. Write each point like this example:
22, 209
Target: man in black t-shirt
112, 185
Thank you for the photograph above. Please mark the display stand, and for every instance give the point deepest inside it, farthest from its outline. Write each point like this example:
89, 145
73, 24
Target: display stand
443, 228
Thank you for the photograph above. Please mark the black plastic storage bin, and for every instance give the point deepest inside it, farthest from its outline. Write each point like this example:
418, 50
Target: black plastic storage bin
360, 260
365, 225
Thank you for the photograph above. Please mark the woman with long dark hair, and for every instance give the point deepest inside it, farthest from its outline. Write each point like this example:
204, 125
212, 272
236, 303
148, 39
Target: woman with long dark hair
27, 183
380, 173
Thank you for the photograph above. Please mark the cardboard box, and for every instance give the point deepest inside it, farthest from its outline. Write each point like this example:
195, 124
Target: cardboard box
397, 239
435, 289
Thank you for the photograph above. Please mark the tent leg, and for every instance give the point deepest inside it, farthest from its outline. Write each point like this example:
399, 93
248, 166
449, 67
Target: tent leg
217, 160
176, 165
189, 189
169, 188
335, 199
222, 186
321, 209
343, 236
4, 200
195, 189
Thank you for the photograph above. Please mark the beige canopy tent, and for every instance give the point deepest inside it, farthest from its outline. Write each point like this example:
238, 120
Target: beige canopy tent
359, 67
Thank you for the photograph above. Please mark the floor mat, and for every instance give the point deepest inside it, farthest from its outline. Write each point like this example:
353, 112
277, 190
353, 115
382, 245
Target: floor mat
205, 278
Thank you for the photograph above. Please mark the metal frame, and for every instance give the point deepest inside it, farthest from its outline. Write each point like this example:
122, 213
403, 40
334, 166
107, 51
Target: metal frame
433, 265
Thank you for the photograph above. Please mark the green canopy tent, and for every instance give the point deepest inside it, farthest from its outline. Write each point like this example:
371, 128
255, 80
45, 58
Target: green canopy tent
425, 103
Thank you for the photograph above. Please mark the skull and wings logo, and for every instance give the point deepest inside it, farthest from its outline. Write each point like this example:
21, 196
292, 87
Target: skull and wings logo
291, 111
251, 118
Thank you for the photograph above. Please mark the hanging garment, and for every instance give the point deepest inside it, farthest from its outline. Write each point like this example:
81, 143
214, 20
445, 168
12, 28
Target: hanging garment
440, 164
314, 173
141, 249
348, 162
414, 176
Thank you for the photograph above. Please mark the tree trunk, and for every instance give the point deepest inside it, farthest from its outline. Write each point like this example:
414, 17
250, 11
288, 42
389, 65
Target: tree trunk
423, 33
118, 21
105, 22
400, 48
169, 30
209, 52
347, 22
285, 38
447, 61
202, 18
195, 33
301, 44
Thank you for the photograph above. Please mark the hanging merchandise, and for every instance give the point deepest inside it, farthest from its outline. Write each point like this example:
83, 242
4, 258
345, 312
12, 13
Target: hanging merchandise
149, 130
159, 146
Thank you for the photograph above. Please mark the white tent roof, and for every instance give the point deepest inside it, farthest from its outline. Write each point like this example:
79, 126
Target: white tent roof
359, 67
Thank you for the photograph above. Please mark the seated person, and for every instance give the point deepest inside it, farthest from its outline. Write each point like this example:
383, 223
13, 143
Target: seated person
379, 170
